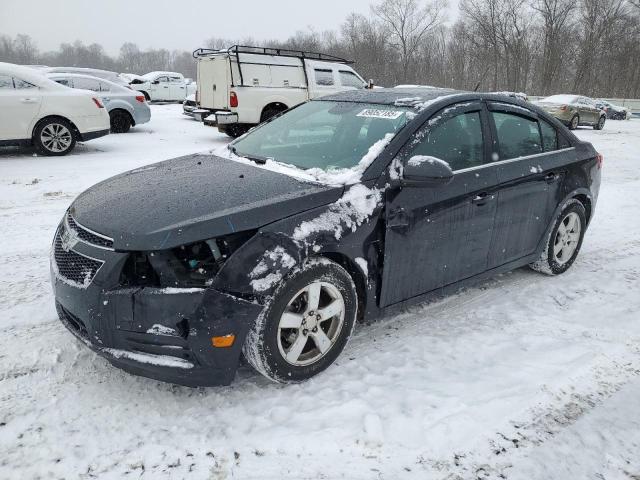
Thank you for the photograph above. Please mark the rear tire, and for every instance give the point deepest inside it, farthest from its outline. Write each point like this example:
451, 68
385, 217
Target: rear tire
120, 121
565, 240
305, 325
271, 111
54, 137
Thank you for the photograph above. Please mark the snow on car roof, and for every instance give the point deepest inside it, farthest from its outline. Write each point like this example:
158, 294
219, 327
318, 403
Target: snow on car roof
389, 96
155, 74
560, 99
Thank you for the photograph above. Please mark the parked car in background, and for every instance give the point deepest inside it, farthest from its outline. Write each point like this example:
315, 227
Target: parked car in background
161, 86
338, 210
126, 107
189, 105
35, 110
574, 110
94, 72
614, 112
192, 86
242, 86
520, 95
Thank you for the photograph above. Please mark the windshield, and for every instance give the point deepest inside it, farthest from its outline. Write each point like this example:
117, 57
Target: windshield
323, 134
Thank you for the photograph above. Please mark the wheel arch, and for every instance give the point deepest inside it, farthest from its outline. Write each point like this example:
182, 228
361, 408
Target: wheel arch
356, 274
76, 131
280, 106
122, 108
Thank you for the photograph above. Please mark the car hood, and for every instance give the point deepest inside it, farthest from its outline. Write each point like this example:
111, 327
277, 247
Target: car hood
193, 198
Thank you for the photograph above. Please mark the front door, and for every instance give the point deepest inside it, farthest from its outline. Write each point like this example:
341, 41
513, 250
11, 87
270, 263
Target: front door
438, 235
19, 103
530, 170
161, 89
178, 89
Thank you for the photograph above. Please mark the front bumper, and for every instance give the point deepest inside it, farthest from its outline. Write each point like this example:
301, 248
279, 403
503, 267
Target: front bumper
164, 334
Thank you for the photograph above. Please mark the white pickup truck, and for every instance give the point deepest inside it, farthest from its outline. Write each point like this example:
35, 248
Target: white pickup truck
242, 86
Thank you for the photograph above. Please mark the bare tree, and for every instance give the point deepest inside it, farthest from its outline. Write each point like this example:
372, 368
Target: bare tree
409, 22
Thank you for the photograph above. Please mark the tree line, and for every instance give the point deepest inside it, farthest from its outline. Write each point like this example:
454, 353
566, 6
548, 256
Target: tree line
540, 47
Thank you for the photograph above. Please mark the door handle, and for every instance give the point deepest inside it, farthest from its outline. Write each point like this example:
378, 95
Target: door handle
481, 199
551, 177
29, 100
398, 220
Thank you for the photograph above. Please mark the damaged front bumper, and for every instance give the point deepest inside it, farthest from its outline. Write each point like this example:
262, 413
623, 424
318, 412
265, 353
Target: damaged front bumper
160, 333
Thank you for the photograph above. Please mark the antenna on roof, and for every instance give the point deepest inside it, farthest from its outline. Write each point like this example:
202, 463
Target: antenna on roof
481, 78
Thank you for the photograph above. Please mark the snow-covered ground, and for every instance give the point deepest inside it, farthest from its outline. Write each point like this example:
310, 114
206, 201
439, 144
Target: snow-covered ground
524, 377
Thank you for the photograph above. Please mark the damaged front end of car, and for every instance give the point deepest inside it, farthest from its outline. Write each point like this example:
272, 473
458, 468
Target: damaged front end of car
153, 313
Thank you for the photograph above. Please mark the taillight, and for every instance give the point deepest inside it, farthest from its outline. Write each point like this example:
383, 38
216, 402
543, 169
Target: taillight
563, 108
97, 102
233, 99
599, 160
140, 98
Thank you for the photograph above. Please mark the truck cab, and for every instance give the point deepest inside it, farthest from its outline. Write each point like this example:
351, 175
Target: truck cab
243, 86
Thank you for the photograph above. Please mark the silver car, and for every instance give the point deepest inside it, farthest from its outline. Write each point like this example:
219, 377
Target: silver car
126, 107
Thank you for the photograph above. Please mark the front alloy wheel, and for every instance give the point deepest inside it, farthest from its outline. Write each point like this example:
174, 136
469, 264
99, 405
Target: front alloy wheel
305, 325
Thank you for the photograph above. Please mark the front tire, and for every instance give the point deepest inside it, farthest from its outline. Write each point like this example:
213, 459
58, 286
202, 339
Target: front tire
305, 325
575, 121
54, 137
565, 241
600, 124
120, 121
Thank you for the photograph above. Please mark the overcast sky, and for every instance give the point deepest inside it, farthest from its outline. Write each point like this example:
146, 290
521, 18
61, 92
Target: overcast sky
172, 24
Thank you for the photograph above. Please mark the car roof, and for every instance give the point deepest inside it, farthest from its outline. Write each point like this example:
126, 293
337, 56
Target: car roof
28, 74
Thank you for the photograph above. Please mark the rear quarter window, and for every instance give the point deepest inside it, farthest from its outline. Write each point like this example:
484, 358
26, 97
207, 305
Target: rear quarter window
6, 82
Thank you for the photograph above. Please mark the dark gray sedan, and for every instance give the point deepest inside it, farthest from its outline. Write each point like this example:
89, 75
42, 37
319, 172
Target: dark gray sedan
341, 209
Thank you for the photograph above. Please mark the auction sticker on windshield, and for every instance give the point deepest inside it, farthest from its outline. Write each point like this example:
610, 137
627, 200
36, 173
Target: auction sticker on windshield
374, 113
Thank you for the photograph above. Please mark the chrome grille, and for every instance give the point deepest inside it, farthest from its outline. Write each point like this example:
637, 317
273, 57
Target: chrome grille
86, 235
72, 266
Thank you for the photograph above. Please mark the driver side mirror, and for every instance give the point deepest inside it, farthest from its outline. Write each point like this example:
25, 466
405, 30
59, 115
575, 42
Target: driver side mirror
421, 170
155, 82
370, 84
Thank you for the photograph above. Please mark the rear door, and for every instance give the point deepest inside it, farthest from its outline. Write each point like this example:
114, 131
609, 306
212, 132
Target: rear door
323, 80
213, 82
19, 105
530, 167
439, 235
178, 88
161, 88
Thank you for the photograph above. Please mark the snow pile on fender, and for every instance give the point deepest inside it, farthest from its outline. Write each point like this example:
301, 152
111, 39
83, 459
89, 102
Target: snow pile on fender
349, 212
268, 271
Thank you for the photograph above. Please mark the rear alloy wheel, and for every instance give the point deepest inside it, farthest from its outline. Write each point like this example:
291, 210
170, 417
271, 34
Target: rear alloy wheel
600, 124
54, 137
564, 242
120, 121
575, 121
306, 324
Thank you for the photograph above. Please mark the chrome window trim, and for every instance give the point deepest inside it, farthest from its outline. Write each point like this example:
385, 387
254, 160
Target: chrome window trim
68, 227
511, 160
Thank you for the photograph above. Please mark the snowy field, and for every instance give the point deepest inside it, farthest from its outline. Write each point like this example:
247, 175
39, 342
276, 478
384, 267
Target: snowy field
524, 377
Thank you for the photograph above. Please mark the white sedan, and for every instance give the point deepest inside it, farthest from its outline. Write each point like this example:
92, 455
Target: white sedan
35, 110
161, 86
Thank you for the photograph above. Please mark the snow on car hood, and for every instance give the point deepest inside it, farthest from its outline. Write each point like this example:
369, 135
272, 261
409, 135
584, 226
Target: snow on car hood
193, 198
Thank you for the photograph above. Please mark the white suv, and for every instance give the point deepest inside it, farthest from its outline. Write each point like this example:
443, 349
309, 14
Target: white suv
40, 112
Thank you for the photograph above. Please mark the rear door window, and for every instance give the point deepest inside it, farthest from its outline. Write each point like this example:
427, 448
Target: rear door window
324, 77
518, 136
21, 84
458, 141
87, 84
